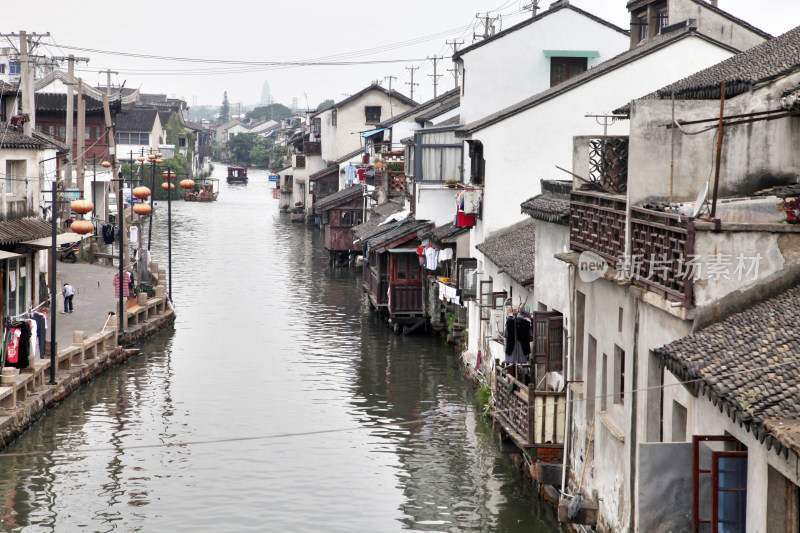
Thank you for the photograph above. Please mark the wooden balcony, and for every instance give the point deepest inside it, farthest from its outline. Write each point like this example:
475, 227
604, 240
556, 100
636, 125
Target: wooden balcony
597, 224
312, 148
661, 243
532, 418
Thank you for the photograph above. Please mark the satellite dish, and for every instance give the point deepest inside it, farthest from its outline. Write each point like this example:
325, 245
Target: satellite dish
700, 200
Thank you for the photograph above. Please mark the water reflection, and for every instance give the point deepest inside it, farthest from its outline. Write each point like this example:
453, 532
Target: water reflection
268, 341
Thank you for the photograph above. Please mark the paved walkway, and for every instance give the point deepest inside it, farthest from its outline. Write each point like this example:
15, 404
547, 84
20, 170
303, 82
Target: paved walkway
94, 298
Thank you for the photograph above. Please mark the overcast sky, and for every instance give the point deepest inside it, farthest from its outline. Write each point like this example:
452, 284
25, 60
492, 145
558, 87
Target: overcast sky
286, 31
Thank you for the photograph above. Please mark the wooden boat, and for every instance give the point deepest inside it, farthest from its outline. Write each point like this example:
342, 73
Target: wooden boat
237, 174
205, 190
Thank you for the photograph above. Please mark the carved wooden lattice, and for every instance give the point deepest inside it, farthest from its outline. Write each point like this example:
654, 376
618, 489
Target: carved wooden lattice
597, 224
661, 249
513, 406
608, 163
312, 148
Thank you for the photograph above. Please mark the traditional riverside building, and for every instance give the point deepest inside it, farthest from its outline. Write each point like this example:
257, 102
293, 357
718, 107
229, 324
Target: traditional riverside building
684, 366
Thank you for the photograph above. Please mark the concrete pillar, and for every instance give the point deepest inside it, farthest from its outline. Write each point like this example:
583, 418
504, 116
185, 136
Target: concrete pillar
77, 338
141, 299
161, 291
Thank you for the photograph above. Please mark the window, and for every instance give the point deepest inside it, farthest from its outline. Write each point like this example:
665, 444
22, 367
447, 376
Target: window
441, 156
468, 278
316, 126
13, 67
619, 321
134, 138
591, 377
15, 170
87, 132
2, 68
719, 475
619, 375
477, 165
61, 132
548, 340
335, 117
642, 28
98, 133
372, 114
678, 422
350, 218
182, 142
564, 68
662, 20
604, 384
407, 267
16, 286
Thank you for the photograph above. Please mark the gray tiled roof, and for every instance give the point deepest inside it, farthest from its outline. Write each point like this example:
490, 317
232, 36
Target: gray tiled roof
538, 17
605, 67
7, 88
552, 205
136, 119
10, 138
513, 251
377, 214
24, 229
54, 102
448, 105
398, 230
324, 172
339, 197
423, 107
770, 59
442, 233
748, 365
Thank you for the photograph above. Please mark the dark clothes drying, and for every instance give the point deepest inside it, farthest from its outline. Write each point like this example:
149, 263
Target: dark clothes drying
41, 333
22, 346
518, 330
109, 233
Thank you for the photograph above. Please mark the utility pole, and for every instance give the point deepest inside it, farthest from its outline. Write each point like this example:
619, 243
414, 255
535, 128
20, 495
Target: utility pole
487, 22
454, 70
71, 59
81, 135
390, 78
411, 83
435, 76
533, 6
108, 72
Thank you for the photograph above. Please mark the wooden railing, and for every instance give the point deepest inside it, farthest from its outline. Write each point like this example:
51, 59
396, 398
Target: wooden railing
661, 246
377, 287
597, 224
534, 417
312, 148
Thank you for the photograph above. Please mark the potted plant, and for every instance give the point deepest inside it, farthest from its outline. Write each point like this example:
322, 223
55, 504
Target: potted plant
451, 183
790, 206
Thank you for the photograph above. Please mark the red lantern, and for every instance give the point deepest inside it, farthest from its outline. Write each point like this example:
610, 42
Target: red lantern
82, 206
187, 183
168, 175
140, 159
141, 192
82, 227
159, 161
141, 208
166, 186
159, 155
105, 164
150, 157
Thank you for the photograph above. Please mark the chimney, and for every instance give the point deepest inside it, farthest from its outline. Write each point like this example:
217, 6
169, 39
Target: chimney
713, 2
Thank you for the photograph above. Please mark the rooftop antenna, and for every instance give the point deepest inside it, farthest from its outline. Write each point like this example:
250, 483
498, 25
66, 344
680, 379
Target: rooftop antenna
700, 201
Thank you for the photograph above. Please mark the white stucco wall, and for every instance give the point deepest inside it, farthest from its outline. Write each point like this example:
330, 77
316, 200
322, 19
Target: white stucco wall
435, 203
351, 119
514, 67
754, 156
527, 146
713, 24
27, 186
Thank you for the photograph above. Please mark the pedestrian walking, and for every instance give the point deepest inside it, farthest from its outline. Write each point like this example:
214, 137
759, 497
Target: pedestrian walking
69, 292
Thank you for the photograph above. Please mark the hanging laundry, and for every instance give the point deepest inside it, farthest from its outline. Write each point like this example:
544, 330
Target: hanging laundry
134, 234
462, 220
431, 258
125, 286
107, 232
41, 330
18, 345
360, 173
349, 173
518, 335
445, 254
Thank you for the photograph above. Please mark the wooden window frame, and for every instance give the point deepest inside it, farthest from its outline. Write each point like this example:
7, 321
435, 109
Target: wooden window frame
548, 340
370, 115
697, 471
580, 64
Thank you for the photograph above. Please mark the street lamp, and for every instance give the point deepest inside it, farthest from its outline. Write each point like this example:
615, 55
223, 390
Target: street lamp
169, 186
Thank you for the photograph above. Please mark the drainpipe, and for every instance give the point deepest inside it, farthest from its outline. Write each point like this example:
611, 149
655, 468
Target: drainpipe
568, 381
634, 426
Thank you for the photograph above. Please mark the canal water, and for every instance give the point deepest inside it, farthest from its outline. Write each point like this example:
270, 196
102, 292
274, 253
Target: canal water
277, 403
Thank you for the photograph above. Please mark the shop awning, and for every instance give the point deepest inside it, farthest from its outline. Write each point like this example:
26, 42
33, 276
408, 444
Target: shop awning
372, 132
8, 255
46, 242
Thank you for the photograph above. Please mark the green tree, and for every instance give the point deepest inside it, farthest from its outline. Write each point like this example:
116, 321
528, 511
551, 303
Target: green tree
259, 155
325, 104
225, 109
272, 112
240, 147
